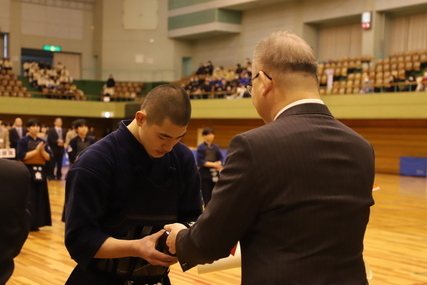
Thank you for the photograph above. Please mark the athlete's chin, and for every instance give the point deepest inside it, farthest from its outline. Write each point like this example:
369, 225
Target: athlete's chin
158, 154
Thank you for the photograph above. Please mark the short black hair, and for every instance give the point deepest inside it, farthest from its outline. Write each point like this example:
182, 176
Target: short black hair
207, 131
167, 102
32, 122
79, 122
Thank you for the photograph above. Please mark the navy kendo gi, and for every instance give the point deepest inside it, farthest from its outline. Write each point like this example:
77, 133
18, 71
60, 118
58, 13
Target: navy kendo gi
117, 190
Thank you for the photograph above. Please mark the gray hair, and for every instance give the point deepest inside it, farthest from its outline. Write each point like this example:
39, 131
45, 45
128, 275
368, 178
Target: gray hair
284, 51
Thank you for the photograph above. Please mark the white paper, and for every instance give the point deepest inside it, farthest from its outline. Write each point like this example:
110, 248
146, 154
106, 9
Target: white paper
222, 264
236, 261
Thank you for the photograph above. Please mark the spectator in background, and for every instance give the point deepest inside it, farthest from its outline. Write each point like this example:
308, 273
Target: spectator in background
106, 132
209, 160
26, 66
53, 74
71, 133
4, 136
91, 133
7, 125
65, 72
109, 88
206, 88
110, 81
43, 131
41, 64
16, 133
230, 75
209, 68
239, 70
79, 142
219, 73
56, 141
108, 92
367, 86
59, 67
193, 86
7, 64
34, 152
245, 79
201, 70
410, 83
14, 215
391, 84
422, 84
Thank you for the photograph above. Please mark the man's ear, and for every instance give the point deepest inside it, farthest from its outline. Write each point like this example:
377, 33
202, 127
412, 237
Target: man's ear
140, 117
266, 82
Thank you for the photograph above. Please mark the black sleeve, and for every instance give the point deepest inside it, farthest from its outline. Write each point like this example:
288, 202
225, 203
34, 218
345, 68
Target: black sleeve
14, 216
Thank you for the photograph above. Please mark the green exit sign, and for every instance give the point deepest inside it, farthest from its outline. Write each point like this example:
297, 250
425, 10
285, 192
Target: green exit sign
52, 48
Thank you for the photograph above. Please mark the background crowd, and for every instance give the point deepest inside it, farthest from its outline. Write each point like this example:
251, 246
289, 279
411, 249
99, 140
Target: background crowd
53, 80
219, 82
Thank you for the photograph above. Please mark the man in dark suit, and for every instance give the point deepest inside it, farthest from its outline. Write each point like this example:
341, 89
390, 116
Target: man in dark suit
14, 216
56, 139
16, 133
295, 192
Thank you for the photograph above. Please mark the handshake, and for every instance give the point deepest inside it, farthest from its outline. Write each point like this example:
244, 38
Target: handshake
167, 241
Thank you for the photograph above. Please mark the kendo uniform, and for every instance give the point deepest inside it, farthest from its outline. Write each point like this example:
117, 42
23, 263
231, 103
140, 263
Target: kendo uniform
39, 205
209, 175
117, 190
76, 146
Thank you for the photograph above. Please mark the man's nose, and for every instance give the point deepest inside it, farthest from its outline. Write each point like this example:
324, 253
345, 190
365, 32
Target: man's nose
168, 146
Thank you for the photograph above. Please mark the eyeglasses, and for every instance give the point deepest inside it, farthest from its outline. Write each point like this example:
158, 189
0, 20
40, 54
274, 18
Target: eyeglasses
249, 85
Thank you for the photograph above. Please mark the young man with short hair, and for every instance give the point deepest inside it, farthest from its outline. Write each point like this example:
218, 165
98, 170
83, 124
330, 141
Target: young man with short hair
125, 188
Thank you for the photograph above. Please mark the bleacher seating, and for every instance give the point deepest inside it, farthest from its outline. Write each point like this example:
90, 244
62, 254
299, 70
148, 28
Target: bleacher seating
124, 91
380, 72
10, 85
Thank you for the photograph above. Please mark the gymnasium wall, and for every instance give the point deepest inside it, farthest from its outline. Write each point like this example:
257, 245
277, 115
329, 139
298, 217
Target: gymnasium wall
129, 38
396, 124
33, 26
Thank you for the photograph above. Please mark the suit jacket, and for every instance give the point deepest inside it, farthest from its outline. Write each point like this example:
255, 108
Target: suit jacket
52, 137
296, 193
14, 136
14, 216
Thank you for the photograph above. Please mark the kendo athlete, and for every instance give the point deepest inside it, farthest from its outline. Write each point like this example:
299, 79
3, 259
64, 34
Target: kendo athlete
125, 188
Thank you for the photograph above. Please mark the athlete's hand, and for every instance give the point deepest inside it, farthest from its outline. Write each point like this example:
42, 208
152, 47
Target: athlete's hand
146, 249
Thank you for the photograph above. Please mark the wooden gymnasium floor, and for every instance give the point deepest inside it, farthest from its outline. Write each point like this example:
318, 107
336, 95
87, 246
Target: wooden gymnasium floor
395, 243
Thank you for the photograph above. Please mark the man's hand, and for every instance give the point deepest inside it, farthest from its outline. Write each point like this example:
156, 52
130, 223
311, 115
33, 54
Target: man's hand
173, 230
146, 249
219, 166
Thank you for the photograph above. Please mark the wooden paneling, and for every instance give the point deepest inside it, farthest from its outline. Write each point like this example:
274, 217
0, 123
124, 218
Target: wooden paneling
391, 139
225, 129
